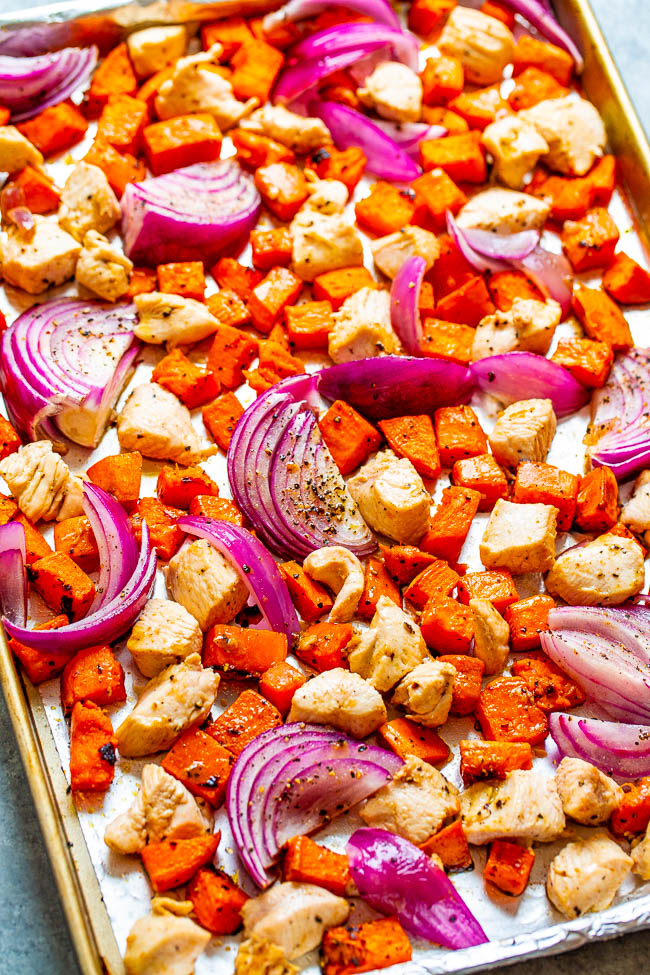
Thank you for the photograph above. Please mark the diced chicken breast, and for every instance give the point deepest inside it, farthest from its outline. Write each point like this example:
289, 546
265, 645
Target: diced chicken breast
588, 795
326, 196
426, 693
16, 151
42, 483
414, 804
341, 699
178, 698
640, 854
520, 537
276, 122
504, 212
341, 571
528, 326
163, 810
586, 874
573, 129
38, 259
604, 572
103, 268
391, 251
156, 48
525, 806
491, 635
293, 916
172, 319
205, 583
164, 945
196, 87
362, 327
165, 634
389, 649
484, 44
515, 146
324, 242
393, 91
392, 498
257, 956
157, 424
87, 202
524, 431
636, 512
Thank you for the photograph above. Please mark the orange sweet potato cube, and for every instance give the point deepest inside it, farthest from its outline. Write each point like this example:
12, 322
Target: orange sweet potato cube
283, 189
181, 141
482, 474
63, 586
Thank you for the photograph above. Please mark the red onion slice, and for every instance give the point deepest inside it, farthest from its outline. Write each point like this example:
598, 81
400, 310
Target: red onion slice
395, 877
191, 214
379, 10
258, 571
13, 587
606, 650
302, 78
403, 46
28, 85
620, 416
552, 273
104, 625
405, 304
349, 128
393, 385
525, 375
619, 750
118, 551
409, 135
63, 365
292, 780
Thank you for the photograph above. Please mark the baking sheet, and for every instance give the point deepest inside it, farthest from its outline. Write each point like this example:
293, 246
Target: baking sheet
519, 927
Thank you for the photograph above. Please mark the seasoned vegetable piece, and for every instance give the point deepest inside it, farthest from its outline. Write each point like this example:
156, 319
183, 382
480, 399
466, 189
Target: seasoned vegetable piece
365, 947
493, 759
243, 721
201, 764
507, 711
508, 867
92, 749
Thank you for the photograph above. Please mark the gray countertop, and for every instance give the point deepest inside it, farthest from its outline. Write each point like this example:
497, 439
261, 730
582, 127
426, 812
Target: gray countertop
33, 933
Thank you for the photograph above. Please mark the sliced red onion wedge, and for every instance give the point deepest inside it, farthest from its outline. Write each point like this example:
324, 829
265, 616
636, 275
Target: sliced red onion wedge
621, 750
13, 574
379, 10
395, 877
403, 46
30, 84
514, 376
300, 79
606, 650
258, 571
620, 416
191, 214
349, 128
479, 262
539, 15
118, 551
63, 365
405, 304
293, 780
393, 385
104, 625
552, 273
284, 479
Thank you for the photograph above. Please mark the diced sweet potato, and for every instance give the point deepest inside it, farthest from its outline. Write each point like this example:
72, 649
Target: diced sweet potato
365, 947
588, 361
336, 286
279, 683
345, 165
217, 901
92, 749
413, 437
220, 418
120, 475
497, 586
306, 862
601, 318
493, 759
459, 434
349, 437
177, 486
114, 76
310, 598
450, 844
447, 340
184, 278
170, 863
552, 688
192, 385
404, 737
461, 156
40, 665
309, 324
377, 583
447, 626
283, 189
231, 352
437, 580
55, 128
482, 474
467, 682
243, 721
527, 618
597, 500
271, 296
181, 141
165, 535
405, 562
451, 522
63, 586
201, 764
508, 867
507, 711
386, 209
590, 243
241, 652
94, 675
626, 281
322, 646
122, 122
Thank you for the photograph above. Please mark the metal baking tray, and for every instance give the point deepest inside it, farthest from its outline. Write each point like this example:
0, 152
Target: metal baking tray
91, 928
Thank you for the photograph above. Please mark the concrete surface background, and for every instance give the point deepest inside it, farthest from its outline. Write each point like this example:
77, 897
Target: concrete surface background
33, 933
